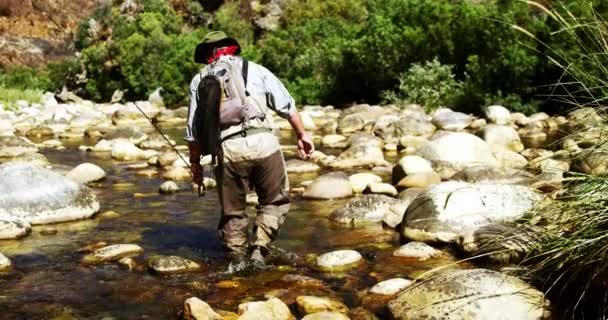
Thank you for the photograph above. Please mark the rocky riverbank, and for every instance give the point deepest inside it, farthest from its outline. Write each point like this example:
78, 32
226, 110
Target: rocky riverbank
446, 179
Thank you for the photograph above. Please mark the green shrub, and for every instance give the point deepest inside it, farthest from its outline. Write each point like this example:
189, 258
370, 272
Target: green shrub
431, 85
24, 78
8, 96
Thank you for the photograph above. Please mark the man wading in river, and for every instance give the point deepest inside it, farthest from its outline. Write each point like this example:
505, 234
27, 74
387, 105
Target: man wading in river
228, 118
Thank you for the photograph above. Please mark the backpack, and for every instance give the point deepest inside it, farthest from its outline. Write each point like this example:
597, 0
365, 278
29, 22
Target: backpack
223, 104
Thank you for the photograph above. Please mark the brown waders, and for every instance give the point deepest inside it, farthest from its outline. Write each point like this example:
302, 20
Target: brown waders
268, 177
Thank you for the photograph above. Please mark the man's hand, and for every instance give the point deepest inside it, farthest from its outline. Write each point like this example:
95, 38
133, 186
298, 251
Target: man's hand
305, 146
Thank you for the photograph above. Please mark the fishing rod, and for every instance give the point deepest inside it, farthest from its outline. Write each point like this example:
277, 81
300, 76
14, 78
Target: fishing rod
201, 184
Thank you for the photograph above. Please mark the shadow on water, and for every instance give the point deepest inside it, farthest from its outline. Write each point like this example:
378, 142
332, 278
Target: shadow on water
49, 282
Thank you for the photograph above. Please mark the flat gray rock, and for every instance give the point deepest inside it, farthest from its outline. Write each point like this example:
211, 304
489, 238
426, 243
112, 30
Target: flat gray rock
36, 195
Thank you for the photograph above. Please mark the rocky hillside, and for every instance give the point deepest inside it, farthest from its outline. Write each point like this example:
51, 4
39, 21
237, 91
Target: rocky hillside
35, 31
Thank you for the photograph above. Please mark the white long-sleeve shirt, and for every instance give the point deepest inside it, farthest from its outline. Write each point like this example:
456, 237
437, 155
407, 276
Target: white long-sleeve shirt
260, 83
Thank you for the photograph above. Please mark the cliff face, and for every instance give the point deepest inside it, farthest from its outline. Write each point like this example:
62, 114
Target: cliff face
33, 32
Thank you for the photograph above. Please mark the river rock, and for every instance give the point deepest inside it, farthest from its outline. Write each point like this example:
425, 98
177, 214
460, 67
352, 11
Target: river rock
410, 165
177, 173
590, 161
172, 264
510, 159
394, 217
113, 252
391, 286
86, 172
445, 210
583, 118
13, 229
301, 166
272, 309
451, 152
168, 187
11, 146
417, 125
326, 315
340, 260
446, 119
359, 181
498, 115
368, 209
380, 188
502, 138
533, 137
419, 180
333, 185
6, 128
359, 155
470, 294
5, 263
37, 195
334, 141
497, 175
197, 309
40, 132
313, 304
417, 250
127, 151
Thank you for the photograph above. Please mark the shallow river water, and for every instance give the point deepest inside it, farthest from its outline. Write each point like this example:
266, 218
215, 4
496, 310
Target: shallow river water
49, 282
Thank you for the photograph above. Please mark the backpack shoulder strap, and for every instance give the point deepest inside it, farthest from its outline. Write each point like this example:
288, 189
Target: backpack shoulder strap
245, 72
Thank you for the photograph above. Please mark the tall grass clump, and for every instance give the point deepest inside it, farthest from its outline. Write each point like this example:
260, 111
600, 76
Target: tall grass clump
570, 262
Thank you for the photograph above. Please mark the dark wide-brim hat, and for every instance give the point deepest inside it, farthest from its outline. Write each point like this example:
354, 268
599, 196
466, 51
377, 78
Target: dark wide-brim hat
212, 40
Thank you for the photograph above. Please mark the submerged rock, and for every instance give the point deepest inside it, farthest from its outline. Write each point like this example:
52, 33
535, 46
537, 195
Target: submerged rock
391, 286
446, 210
368, 209
333, 185
86, 172
5, 263
37, 195
113, 252
470, 294
173, 264
417, 250
13, 229
313, 304
340, 260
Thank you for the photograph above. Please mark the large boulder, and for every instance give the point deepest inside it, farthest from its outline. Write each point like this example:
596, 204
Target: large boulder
333, 185
11, 146
475, 294
451, 152
496, 175
445, 211
368, 209
37, 195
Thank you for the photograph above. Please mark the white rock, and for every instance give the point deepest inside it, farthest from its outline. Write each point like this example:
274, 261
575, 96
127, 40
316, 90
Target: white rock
391, 286
197, 309
86, 172
314, 304
510, 159
381, 188
300, 166
172, 264
339, 260
498, 114
502, 138
326, 315
177, 173
13, 229
273, 309
125, 150
360, 180
334, 141
415, 164
168, 187
417, 250
113, 253
5, 263
333, 185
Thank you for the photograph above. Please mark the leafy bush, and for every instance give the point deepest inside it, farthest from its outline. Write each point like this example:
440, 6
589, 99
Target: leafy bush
8, 96
24, 78
431, 85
